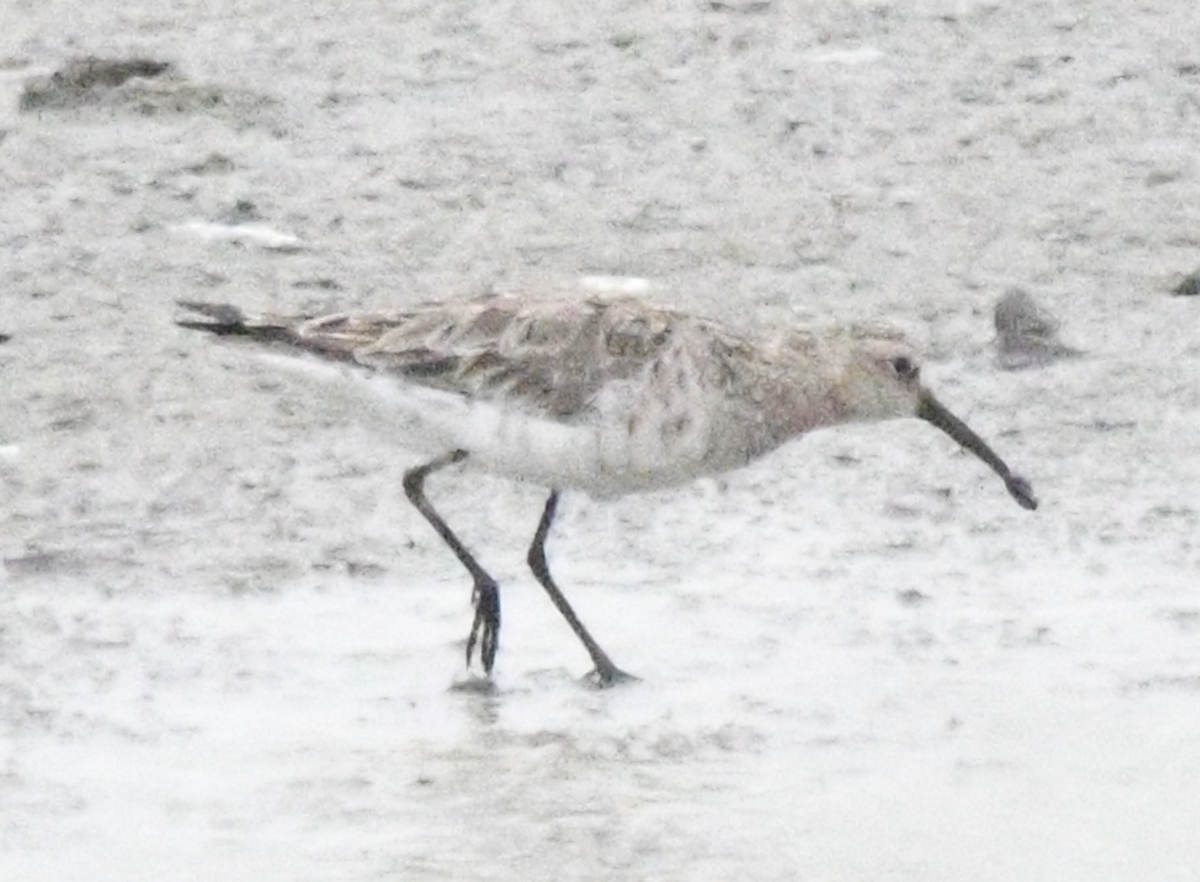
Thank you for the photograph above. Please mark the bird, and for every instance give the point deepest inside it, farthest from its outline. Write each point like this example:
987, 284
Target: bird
608, 395
1026, 333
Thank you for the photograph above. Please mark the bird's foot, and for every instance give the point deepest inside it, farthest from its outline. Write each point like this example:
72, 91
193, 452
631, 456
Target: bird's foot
485, 630
606, 676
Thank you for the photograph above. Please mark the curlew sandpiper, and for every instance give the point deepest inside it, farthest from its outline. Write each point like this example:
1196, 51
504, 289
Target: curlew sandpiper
605, 395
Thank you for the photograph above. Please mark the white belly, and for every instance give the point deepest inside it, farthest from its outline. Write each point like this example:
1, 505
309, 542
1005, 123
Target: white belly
624, 444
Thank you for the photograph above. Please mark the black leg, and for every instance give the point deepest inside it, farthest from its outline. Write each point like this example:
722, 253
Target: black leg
486, 595
606, 673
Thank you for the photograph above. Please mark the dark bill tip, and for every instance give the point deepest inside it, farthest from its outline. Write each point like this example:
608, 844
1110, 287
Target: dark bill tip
932, 411
1020, 490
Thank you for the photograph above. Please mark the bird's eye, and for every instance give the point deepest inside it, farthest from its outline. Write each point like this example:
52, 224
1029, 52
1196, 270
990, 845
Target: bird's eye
904, 367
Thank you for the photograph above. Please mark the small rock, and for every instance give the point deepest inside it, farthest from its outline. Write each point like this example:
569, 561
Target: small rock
1189, 287
1026, 334
911, 597
213, 164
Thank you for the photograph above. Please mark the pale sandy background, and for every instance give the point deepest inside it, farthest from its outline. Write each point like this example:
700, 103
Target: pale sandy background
226, 643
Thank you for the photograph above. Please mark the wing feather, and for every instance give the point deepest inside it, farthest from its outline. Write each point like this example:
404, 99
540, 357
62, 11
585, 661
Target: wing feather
550, 356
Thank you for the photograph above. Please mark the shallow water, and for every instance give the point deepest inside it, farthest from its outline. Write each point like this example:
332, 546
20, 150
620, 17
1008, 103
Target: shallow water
227, 646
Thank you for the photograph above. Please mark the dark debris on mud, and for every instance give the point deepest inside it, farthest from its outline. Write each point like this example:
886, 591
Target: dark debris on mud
88, 80
142, 87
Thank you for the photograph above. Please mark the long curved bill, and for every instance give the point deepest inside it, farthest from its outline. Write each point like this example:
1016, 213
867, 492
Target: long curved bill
931, 410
